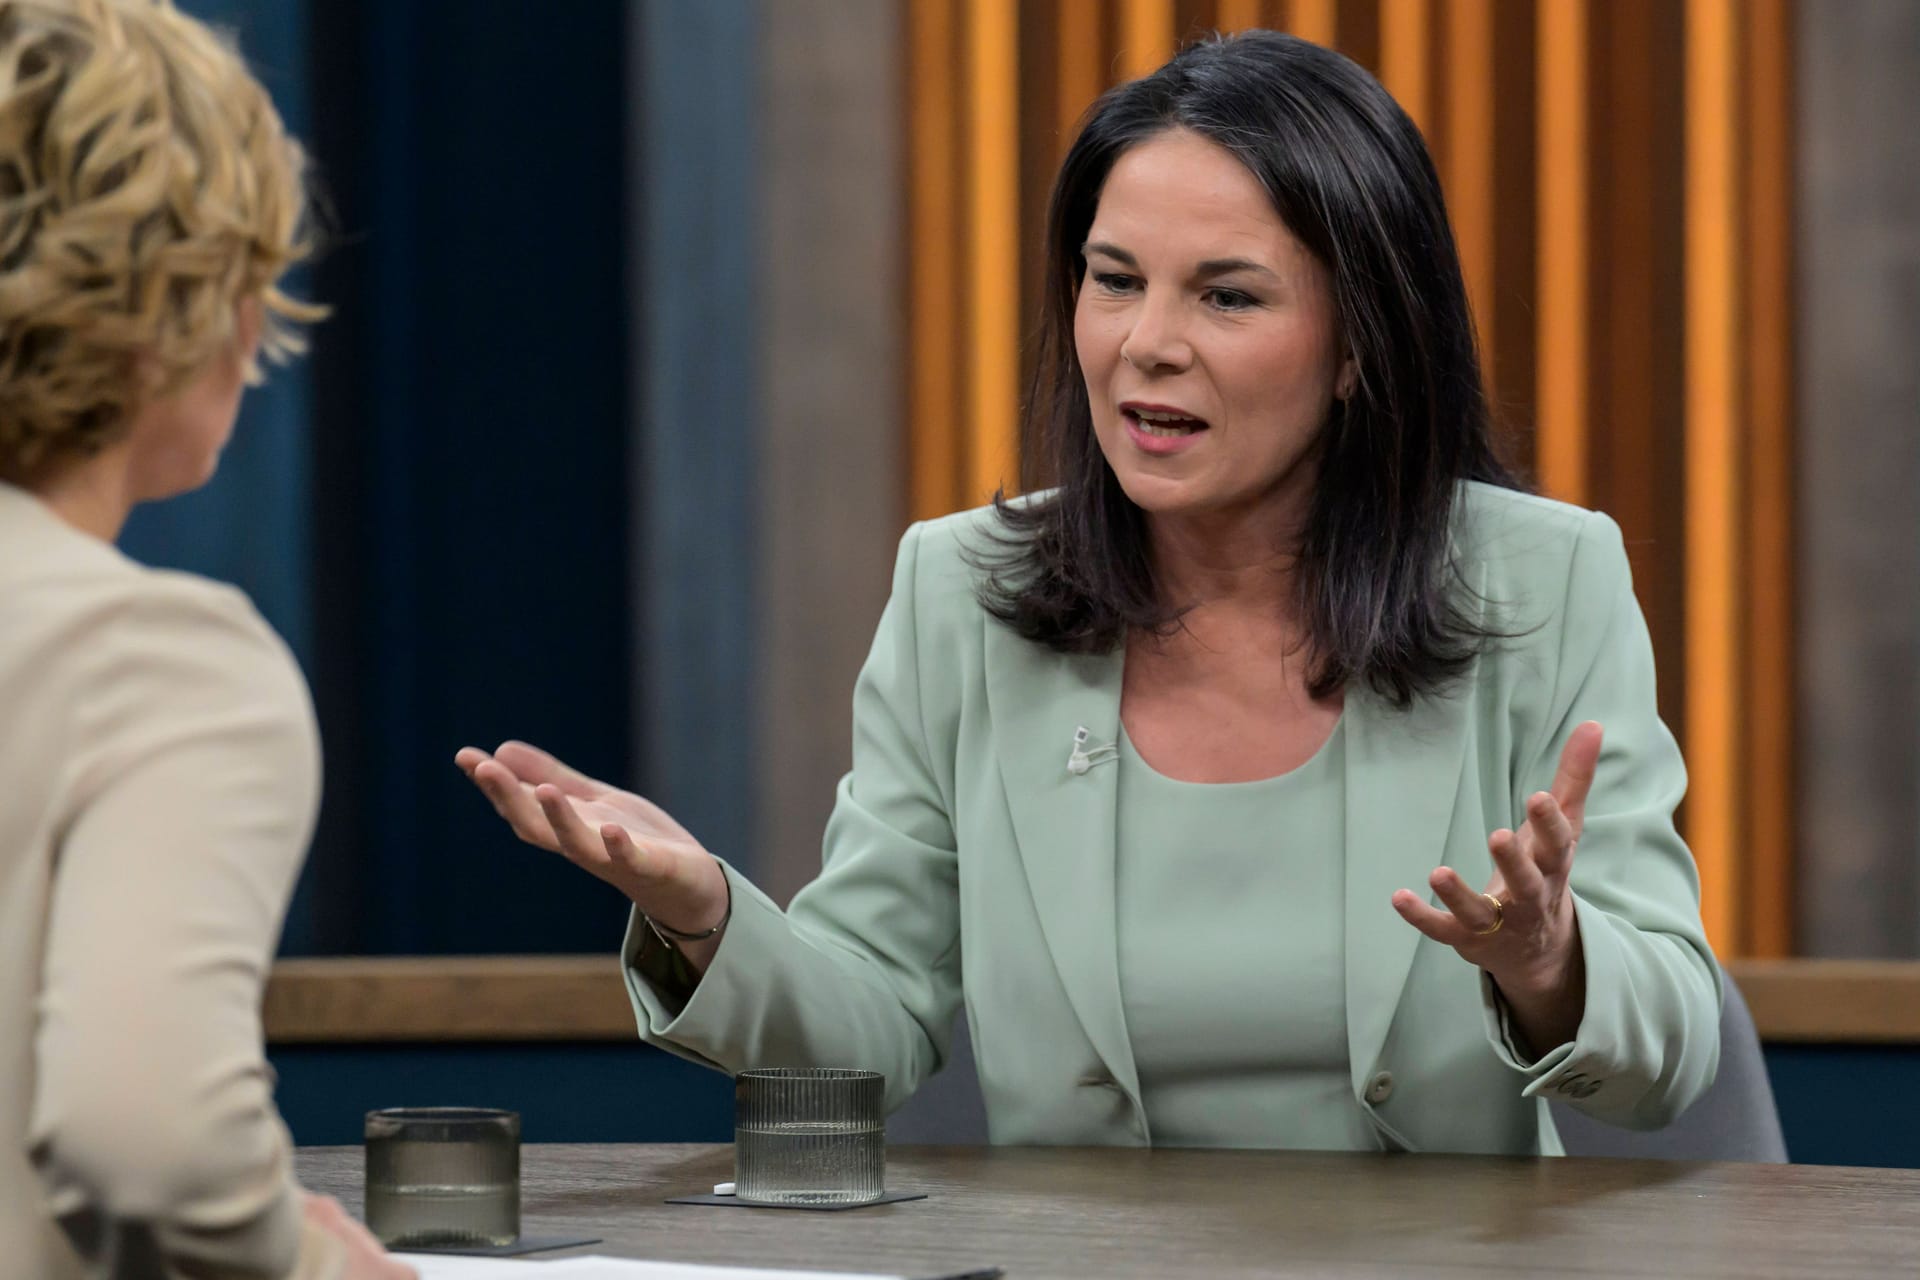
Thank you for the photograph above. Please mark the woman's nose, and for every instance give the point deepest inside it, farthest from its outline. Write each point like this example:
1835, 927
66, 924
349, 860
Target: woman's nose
1156, 343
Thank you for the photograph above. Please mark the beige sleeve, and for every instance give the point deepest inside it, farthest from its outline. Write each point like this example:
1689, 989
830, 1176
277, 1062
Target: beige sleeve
154, 1102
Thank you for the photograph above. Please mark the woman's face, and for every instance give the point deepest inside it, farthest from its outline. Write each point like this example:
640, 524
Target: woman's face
1206, 334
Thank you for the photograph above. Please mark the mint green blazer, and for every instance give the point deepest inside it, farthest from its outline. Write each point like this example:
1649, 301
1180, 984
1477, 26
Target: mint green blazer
964, 862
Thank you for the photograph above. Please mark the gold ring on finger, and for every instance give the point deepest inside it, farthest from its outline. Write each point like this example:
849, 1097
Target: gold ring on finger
1499, 916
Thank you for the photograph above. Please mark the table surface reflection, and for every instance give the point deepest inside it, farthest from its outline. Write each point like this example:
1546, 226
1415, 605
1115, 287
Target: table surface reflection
1058, 1212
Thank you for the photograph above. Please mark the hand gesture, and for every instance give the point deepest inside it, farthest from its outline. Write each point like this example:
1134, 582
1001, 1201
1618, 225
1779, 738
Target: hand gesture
365, 1259
1521, 929
630, 842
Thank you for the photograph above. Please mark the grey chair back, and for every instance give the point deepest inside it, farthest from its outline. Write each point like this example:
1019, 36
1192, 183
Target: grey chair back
1735, 1119
947, 1110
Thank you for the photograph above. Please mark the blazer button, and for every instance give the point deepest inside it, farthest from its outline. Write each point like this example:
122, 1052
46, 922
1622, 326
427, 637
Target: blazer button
1571, 1084
1588, 1090
1380, 1088
1098, 1080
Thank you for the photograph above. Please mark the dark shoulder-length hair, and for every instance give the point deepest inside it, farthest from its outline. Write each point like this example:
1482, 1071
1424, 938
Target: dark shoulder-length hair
1379, 594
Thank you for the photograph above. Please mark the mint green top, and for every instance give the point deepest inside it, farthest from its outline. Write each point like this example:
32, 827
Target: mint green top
1238, 890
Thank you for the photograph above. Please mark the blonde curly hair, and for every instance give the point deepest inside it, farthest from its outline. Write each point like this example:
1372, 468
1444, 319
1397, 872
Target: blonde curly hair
146, 187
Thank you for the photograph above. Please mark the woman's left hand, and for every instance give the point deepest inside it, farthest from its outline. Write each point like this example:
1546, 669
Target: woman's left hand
1530, 943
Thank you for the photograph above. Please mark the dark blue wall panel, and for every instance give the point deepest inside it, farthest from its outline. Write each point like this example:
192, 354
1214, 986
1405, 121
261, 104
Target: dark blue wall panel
511, 493
563, 1092
1848, 1104
435, 508
471, 500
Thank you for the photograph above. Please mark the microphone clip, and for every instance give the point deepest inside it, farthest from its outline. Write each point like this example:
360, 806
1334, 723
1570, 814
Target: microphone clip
1081, 759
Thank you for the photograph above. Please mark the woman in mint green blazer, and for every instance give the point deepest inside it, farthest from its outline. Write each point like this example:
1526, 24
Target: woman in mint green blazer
1144, 765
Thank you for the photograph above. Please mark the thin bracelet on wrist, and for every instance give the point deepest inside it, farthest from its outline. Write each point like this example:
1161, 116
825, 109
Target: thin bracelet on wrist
669, 935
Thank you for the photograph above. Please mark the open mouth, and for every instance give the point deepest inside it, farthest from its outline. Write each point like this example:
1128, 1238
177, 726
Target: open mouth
1162, 424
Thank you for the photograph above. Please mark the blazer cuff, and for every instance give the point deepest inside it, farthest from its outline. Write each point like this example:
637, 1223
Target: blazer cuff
1578, 1068
699, 1021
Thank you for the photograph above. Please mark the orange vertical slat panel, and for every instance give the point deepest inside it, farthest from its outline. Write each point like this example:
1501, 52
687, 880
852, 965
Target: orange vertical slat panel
1315, 20
1713, 466
993, 248
1769, 827
1404, 40
1605, 345
1563, 249
1082, 71
936, 447
1469, 159
1146, 36
1238, 15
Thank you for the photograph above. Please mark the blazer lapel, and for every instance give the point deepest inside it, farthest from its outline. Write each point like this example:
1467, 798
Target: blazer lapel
1403, 779
1064, 821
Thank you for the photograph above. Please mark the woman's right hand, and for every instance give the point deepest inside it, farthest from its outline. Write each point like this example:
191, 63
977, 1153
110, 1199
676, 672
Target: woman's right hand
630, 842
365, 1259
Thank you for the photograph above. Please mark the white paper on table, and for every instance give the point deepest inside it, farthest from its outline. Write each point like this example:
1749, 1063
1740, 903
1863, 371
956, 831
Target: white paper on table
440, 1266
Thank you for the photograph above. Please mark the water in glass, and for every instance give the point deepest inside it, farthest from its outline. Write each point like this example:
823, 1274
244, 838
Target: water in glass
810, 1162
809, 1136
443, 1182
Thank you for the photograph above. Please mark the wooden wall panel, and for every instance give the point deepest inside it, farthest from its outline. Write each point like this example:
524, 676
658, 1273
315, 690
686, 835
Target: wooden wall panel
1083, 60
1618, 178
1315, 20
1147, 36
475, 999
1767, 619
1357, 32
1712, 437
1406, 57
1565, 256
1240, 15
1510, 330
1467, 123
936, 446
1637, 364
1056, 50
992, 369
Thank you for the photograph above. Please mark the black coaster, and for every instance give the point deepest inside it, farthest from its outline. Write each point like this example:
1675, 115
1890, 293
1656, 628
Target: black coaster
892, 1197
525, 1244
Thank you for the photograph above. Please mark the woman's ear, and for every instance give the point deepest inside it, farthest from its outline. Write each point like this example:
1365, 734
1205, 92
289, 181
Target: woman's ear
249, 321
1347, 379
149, 375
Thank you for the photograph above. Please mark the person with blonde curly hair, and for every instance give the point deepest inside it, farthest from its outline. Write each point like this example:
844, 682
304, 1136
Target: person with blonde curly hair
161, 755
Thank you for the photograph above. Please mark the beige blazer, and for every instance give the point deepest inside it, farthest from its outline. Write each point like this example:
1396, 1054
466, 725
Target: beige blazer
161, 771
965, 861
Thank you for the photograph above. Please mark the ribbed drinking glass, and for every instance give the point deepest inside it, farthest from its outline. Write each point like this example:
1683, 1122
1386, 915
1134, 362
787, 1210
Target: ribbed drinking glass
809, 1136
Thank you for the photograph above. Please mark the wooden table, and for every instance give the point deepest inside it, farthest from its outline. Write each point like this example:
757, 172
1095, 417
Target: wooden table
1049, 1212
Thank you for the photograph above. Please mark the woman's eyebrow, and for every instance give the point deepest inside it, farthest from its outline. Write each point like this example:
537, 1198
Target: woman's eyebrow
1227, 266
1205, 271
